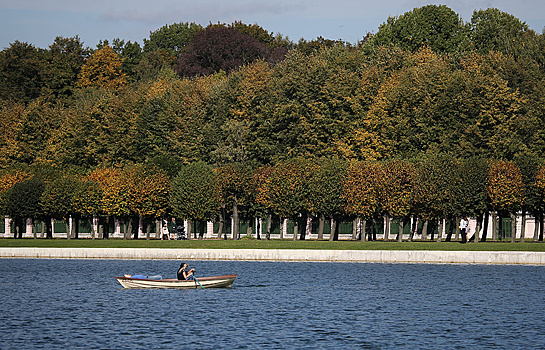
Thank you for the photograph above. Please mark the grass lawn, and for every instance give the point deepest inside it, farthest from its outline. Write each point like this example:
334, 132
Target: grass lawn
272, 244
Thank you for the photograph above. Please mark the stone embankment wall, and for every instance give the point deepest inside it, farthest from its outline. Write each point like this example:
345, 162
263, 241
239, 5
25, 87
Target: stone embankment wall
376, 256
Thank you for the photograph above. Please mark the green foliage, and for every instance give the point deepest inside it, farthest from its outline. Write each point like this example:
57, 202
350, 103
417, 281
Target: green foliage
433, 26
195, 193
360, 189
23, 199
505, 186
286, 188
495, 30
172, 38
21, 68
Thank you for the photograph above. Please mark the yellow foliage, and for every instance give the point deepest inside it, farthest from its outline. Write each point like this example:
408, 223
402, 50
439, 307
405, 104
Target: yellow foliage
103, 69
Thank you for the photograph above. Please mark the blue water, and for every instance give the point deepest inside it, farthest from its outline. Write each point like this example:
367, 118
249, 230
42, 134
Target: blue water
77, 304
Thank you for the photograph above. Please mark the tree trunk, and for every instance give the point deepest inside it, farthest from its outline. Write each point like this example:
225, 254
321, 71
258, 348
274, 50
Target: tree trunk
485, 226
42, 230
425, 231
148, 229
386, 227
250, 229
235, 221
220, 227
536, 227
202, 225
452, 229
321, 222
414, 228
222, 222
355, 229
541, 226
400, 225
158, 227
282, 224
494, 227
363, 233
189, 229
478, 227
500, 228
34, 233
308, 227
269, 224
295, 228
334, 229
128, 229
75, 225
440, 230
513, 228
48, 228
523, 227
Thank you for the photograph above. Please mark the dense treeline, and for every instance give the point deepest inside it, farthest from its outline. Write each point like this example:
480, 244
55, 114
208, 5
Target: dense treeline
424, 188
390, 124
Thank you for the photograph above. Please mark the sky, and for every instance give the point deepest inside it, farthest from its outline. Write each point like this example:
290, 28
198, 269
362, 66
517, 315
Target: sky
39, 22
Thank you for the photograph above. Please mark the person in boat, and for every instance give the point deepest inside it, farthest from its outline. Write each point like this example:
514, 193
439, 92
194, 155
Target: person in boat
183, 274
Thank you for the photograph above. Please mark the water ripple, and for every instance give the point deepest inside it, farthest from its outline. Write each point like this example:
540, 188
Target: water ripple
77, 304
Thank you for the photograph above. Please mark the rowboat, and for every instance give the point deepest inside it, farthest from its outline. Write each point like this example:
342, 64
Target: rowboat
201, 282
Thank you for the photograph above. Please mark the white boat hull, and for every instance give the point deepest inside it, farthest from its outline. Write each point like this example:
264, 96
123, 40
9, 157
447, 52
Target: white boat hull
206, 282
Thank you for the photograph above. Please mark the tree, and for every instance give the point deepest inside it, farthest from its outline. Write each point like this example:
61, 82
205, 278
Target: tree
433, 26
506, 189
360, 191
57, 200
220, 48
395, 191
22, 201
326, 192
470, 191
529, 166
32, 133
21, 72
495, 30
234, 180
115, 200
286, 190
195, 194
102, 69
314, 106
172, 38
148, 192
65, 59
151, 65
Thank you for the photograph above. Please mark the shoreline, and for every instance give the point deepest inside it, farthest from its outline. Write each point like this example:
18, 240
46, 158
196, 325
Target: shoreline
374, 256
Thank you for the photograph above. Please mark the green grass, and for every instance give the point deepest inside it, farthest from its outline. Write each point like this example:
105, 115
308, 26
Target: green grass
272, 244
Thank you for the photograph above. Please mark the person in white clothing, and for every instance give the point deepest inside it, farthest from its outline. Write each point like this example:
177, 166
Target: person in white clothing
464, 224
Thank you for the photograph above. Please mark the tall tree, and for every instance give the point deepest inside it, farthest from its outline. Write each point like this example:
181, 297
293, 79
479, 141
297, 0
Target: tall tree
102, 69
195, 194
220, 48
173, 38
434, 26
65, 58
495, 30
22, 201
21, 72
506, 189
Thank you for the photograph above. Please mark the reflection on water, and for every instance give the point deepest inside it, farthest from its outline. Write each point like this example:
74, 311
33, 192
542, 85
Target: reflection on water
59, 304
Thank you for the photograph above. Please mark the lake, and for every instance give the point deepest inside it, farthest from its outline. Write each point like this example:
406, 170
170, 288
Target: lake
77, 304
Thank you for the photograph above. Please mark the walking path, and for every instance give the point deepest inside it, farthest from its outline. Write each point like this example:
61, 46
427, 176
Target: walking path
377, 256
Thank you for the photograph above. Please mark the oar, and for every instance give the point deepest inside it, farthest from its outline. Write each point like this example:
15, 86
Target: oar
196, 280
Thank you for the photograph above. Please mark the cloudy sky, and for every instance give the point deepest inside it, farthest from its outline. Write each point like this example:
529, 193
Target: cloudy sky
38, 22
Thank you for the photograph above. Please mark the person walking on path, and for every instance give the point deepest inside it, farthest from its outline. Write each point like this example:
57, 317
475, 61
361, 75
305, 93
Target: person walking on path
464, 223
